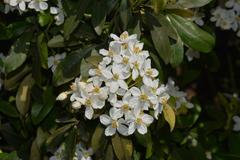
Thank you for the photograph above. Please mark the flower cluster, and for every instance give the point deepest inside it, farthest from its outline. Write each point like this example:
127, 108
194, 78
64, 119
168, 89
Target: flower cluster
125, 85
80, 153
228, 18
38, 6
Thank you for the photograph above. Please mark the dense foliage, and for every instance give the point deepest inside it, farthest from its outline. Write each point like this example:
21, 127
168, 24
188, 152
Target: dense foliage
50, 51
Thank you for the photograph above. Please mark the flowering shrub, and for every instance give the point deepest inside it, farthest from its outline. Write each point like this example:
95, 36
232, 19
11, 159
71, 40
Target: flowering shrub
125, 79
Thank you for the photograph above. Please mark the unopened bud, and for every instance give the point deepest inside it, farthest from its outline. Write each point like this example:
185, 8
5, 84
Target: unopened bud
62, 96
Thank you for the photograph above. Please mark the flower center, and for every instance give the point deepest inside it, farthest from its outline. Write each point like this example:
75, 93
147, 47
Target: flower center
123, 36
149, 72
115, 76
143, 97
114, 124
139, 121
125, 107
136, 64
125, 60
110, 53
88, 102
96, 89
136, 49
164, 100
125, 45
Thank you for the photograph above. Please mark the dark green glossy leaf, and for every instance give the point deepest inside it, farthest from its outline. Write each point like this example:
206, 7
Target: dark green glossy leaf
161, 43
69, 68
70, 25
9, 110
43, 50
56, 42
192, 35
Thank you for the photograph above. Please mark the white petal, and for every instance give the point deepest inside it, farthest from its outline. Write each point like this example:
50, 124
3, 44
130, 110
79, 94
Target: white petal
13, 2
113, 36
122, 130
147, 119
54, 10
89, 112
114, 87
109, 131
103, 52
97, 103
43, 5
135, 74
76, 105
142, 129
131, 128
107, 74
147, 80
22, 6
115, 113
123, 84
135, 91
105, 119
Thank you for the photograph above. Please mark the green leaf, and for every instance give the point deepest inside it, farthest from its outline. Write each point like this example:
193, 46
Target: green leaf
7, 109
146, 141
44, 18
35, 153
58, 132
70, 25
43, 50
13, 61
9, 156
161, 43
11, 83
177, 53
158, 5
97, 138
56, 42
23, 94
69, 68
169, 116
192, 3
192, 35
99, 11
40, 111
123, 147
71, 144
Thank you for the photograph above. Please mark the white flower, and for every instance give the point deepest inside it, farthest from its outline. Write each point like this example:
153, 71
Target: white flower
53, 61
142, 98
236, 126
59, 15
95, 88
123, 105
148, 73
101, 73
113, 53
136, 49
124, 39
38, 5
139, 120
136, 63
163, 98
116, 80
113, 123
90, 102
18, 3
